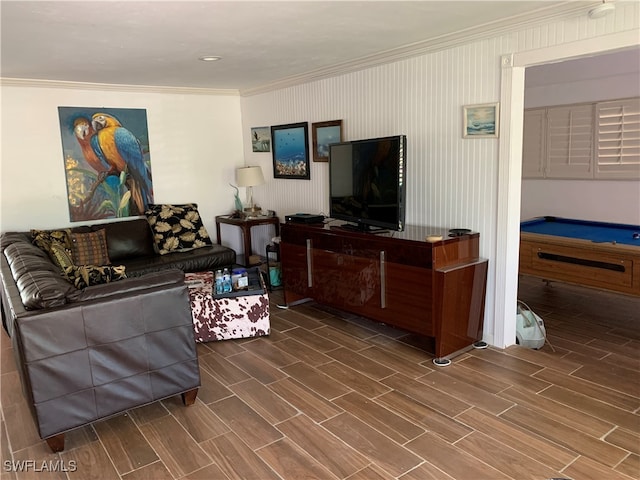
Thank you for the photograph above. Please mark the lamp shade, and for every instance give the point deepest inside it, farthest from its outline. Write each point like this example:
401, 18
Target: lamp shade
249, 176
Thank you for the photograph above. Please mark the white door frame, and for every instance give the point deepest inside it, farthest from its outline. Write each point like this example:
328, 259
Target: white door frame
510, 165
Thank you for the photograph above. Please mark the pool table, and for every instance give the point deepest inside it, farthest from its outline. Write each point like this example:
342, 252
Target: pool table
593, 254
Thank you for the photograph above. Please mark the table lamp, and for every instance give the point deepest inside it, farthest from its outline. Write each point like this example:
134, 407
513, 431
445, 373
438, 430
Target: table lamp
249, 177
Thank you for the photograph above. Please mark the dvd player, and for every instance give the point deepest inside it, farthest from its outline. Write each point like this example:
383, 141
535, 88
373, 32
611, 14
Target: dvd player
304, 218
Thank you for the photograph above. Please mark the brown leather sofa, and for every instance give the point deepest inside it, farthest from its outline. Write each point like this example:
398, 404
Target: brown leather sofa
84, 355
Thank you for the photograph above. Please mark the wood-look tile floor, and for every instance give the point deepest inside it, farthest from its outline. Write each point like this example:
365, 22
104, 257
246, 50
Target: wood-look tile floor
333, 398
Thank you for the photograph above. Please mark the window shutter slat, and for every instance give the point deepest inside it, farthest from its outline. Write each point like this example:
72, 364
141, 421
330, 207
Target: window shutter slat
618, 139
570, 141
533, 143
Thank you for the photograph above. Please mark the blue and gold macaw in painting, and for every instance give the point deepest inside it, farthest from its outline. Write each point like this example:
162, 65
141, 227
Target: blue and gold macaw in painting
120, 149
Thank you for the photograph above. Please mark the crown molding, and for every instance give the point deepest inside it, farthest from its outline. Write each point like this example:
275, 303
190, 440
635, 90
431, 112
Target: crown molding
30, 82
479, 32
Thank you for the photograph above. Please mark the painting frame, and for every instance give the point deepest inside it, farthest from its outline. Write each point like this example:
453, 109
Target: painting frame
481, 120
322, 134
98, 187
290, 149
260, 139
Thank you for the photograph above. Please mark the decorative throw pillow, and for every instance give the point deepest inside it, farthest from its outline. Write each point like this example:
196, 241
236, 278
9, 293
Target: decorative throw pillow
61, 256
83, 276
56, 243
177, 227
90, 248
43, 238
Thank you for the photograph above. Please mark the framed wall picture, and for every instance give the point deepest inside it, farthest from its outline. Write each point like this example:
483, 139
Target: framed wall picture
290, 145
324, 134
260, 139
108, 175
481, 121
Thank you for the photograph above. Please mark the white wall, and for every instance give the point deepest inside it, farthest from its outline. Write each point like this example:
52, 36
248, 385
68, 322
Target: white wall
451, 181
592, 90
598, 200
195, 145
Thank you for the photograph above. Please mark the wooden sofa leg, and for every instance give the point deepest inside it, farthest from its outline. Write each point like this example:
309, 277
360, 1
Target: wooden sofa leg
189, 398
56, 443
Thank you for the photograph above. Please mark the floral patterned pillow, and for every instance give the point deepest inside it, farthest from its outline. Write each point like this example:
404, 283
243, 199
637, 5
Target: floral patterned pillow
61, 256
56, 243
83, 276
177, 227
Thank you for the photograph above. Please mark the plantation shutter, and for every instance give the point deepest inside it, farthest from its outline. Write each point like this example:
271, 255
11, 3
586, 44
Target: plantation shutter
570, 141
533, 143
618, 139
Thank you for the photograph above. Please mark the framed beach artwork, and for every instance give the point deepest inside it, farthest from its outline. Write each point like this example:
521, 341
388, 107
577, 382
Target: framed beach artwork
481, 121
107, 162
290, 146
260, 139
324, 134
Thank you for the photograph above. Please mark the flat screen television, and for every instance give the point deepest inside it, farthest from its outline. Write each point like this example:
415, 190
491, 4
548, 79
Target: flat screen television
367, 183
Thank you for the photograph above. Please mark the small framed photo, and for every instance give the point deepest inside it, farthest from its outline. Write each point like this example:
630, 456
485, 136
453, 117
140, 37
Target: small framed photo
324, 134
481, 121
290, 144
260, 139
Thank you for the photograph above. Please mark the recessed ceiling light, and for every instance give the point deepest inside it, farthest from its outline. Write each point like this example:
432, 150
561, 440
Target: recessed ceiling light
601, 10
209, 58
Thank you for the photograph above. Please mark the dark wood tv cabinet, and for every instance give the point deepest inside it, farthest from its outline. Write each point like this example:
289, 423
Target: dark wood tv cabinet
433, 289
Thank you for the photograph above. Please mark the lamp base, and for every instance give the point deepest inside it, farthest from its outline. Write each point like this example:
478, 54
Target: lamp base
252, 212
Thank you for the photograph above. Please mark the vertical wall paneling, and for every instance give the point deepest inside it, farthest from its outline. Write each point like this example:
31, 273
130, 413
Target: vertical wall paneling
451, 181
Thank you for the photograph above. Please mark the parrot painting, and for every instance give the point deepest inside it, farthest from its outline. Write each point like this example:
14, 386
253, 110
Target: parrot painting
83, 130
118, 148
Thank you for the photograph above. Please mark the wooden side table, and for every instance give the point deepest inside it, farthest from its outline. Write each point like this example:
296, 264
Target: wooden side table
272, 248
246, 224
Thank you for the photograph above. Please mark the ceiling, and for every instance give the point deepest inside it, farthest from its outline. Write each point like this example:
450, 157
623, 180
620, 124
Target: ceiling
157, 43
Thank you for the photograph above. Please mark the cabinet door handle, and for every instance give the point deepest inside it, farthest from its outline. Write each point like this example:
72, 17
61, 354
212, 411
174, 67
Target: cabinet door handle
383, 285
309, 272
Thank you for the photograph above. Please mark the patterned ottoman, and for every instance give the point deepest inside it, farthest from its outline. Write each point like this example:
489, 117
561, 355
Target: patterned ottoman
238, 316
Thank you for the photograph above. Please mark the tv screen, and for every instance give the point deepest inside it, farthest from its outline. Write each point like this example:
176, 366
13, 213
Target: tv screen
366, 182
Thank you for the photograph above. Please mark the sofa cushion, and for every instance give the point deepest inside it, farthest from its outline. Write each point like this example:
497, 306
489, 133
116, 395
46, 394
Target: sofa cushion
177, 227
90, 248
40, 282
128, 239
130, 285
83, 276
24, 257
211, 257
7, 238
